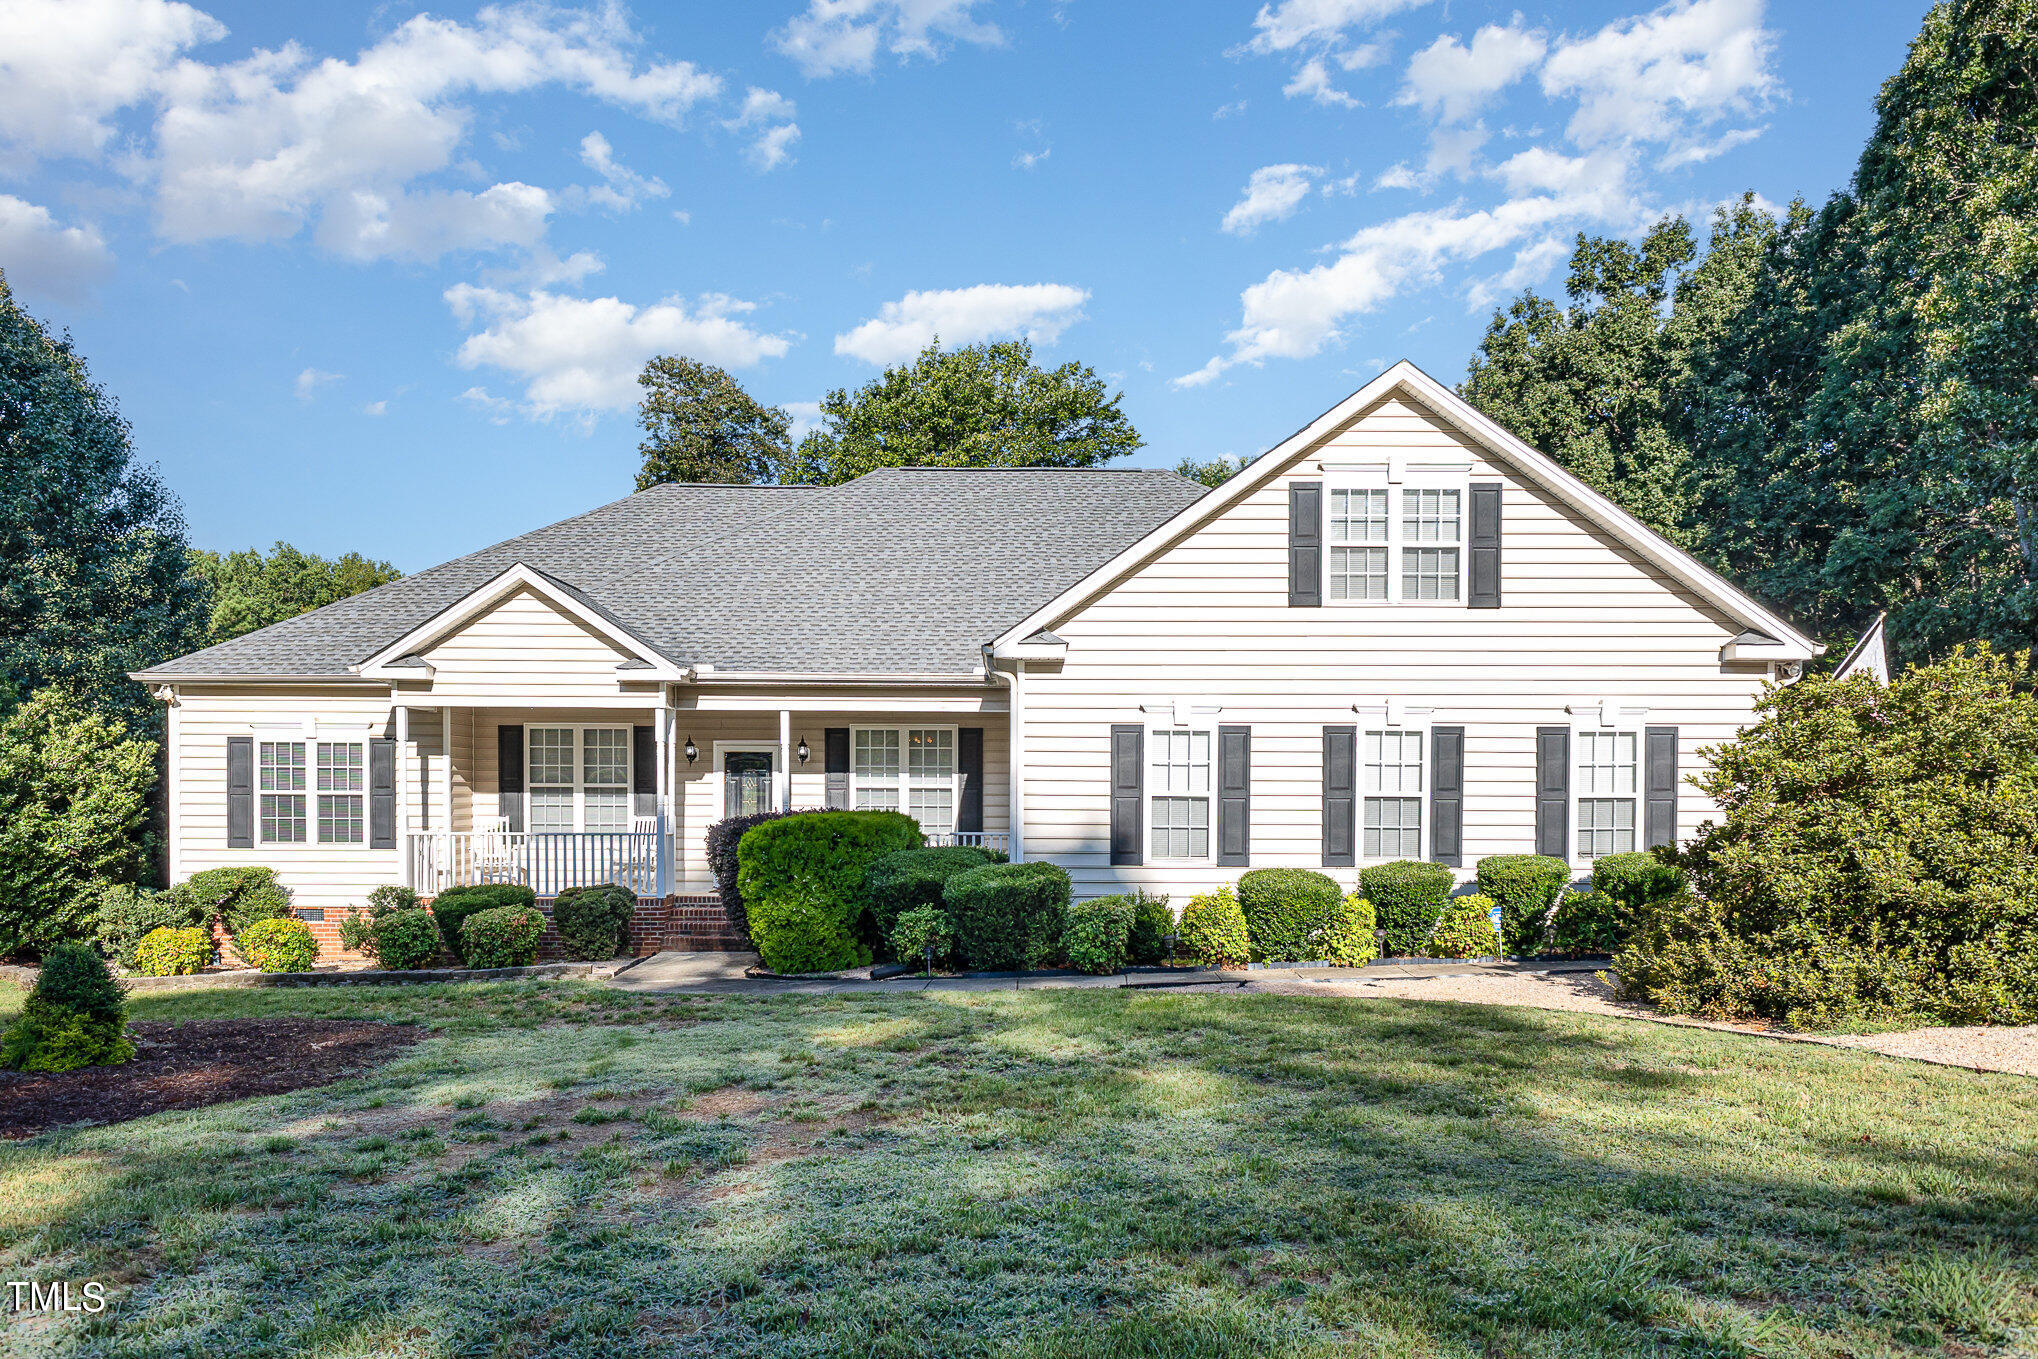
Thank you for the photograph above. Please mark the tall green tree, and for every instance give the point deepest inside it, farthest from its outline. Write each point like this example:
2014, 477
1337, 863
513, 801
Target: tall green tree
1212, 472
250, 590
93, 579
984, 405
700, 425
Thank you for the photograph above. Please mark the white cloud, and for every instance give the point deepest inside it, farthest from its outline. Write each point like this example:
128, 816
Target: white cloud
621, 188
837, 36
497, 409
581, 355
1291, 24
43, 257
1034, 131
1400, 175
1653, 77
1039, 311
1312, 81
375, 408
1231, 110
311, 379
806, 418
1451, 81
1271, 195
770, 115
1696, 152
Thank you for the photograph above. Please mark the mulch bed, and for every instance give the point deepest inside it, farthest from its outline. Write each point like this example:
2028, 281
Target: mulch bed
190, 1065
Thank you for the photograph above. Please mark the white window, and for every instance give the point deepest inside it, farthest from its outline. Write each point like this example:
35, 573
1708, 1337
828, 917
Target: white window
1178, 793
342, 785
909, 769
282, 791
327, 800
1394, 795
1607, 780
578, 779
1402, 544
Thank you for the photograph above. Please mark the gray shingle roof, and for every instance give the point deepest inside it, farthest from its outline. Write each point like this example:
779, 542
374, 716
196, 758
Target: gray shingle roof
906, 570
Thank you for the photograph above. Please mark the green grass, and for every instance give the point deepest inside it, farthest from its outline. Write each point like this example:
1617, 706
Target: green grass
564, 1170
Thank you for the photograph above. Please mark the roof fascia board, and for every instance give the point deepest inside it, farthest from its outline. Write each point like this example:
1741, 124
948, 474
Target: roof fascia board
705, 677
184, 677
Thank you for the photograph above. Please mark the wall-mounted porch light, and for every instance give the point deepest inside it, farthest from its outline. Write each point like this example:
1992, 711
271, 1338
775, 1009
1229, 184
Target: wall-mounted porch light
690, 750
803, 752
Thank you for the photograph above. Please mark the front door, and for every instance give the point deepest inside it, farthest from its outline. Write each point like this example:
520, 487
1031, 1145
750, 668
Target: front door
746, 779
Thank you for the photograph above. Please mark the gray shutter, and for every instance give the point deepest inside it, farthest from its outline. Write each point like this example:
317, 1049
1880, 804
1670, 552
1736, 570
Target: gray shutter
1447, 795
381, 793
835, 768
1553, 792
969, 763
1305, 544
509, 775
1484, 542
1340, 796
644, 771
1659, 826
240, 792
1234, 796
1128, 792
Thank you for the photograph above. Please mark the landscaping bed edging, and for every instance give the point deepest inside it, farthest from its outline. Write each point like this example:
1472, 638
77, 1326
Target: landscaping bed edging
25, 976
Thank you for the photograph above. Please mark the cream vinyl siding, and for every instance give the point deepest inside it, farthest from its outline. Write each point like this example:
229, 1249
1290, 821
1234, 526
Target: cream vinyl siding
1206, 621
524, 651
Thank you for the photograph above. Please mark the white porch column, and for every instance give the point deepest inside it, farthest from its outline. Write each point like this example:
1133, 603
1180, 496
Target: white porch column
664, 739
446, 773
403, 796
785, 759
1015, 761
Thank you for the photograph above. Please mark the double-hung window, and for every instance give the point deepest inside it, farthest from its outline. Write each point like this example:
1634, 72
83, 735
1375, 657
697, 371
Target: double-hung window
909, 769
1358, 544
1179, 796
578, 779
1606, 792
1432, 531
1394, 795
326, 800
1395, 544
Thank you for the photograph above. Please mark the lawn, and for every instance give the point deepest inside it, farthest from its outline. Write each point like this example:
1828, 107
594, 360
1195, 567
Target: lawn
561, 1169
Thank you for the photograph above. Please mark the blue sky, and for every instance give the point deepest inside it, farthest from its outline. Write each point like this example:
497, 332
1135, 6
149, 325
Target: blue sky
379, 277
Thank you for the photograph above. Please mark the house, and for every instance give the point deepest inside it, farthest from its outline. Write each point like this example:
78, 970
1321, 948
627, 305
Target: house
1400, 633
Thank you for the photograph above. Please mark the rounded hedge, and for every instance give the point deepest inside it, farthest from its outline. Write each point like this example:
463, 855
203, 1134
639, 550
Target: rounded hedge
1633, 881
1589, 922
172, 952
1525, 886
1153, 920
277, 946
1283, 908
1408, 896
594, 922
1213, 928
235, 897
127, 913
452, 907
1094, 937
75, 1016
502, 936
1349, 937
915, 930
909, 878
403, 940
1465, 929
720, 845
392, 897
76, 978
802, 883
1008, 917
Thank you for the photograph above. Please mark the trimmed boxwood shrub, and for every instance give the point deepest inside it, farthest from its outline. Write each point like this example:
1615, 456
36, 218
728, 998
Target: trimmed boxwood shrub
393, 897
801, 879
235, 897
594, 922
403, 940
502, 936
277, 946
1589, 922
1465, 929
898, 882
127, 913
1408, 896
1635, 880
1348, 937
919, 927
720, 844
1008, 917
1153, 920
1526, 886
1283, 907
1213, 928
451, 908
172, 952
75, 1016
1094, 937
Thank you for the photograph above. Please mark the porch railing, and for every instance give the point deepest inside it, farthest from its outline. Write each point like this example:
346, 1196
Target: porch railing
1001, 841
546, 862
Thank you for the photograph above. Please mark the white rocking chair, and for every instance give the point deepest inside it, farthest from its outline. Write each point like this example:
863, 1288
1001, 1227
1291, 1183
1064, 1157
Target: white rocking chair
495, 848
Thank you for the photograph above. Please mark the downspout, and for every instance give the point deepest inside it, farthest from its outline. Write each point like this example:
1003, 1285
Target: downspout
1015, 752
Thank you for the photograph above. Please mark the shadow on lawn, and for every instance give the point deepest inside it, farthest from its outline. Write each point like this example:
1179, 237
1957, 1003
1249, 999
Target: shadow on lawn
1072, 1173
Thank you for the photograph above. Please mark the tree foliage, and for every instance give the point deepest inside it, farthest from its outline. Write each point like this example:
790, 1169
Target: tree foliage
984, 405
1212, 472
249, 590
700, 425
93, 580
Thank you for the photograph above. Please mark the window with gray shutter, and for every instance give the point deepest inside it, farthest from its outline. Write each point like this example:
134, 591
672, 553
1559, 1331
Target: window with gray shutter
1659, 823
1553, 792
835, 768
1484, 546
1128, 792
1305, 544
1234, 795
240, 792
1340, 796
382, 793
969, 765
1447, 795
509, 775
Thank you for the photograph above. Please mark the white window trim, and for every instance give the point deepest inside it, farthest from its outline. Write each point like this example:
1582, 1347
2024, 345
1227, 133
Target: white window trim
1177, 718
1592, 717
902, 785
580, 730
721, 779
1393, 716
309, 736
1394, 479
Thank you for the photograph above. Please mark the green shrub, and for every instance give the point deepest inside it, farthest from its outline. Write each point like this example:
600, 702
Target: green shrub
1465, 929
75, 1016
391, 897
73, 977
1589, 922
919, 927
357, 931
1008, 917
1526, 886
1283, 908
172, 952
720, 844
451, 908
126, 913
898, 882
1152, 922
502, 936
1348, 937
1408, 896
234, 897
1635, 880
802, 883
1213, 928
1094, 939
594, 922
403, 940
1874, 858
278, 946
